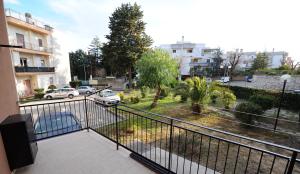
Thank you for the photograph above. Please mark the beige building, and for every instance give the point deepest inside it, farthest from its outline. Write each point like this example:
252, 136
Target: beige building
36, 62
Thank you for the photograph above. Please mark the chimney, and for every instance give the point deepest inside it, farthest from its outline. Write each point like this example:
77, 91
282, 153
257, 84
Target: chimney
182, 39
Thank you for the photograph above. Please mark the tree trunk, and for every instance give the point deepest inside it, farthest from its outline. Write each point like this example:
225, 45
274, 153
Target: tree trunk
156, 97
129, 78
196, 108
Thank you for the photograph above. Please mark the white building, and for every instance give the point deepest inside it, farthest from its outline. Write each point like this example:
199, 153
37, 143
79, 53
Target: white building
37, 63
192, 57
247, 58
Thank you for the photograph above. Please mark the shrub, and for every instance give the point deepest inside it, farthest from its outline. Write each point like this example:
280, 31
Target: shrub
39, 93
51, 87
265, 101
214, 95
145, 91
228, 98
182, 90
135, 97
245, 112
121, 95
75, 84
165, 91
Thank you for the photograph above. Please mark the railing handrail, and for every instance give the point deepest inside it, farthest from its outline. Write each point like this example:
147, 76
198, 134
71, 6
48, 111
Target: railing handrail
34, 69
216, 130
21, 16
32, 46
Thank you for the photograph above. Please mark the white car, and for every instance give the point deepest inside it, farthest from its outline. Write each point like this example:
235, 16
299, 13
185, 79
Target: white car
107, 97
224, 79
86, 90
61, 93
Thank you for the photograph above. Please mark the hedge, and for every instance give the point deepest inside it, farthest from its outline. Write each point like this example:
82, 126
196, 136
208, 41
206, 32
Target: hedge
291, 101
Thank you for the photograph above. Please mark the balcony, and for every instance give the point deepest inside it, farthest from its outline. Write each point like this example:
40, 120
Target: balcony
31, 48
202, 64
162, 144
26, 69
26, 21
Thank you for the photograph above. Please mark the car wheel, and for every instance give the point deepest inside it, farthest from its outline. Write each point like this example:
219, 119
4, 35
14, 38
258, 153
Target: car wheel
70, 96
88, 92
48, 97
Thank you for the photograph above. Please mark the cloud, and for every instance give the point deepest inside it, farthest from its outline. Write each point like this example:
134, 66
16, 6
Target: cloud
15, 2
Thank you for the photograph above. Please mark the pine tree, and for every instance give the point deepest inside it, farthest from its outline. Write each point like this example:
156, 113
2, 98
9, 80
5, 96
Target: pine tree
127, 40
95, 55
260, 62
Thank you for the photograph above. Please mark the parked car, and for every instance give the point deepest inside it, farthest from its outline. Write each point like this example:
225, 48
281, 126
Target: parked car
55, 123
107, 97
61, 93
224, 79
86, 90
297, 91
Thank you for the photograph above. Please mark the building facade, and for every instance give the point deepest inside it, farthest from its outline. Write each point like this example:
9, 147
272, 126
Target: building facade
193, 58
247, 58
36, 62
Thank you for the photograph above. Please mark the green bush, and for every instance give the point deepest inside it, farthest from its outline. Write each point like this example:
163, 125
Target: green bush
228, 98
121, 95
265, 101
244, 112
291, 100
39, 93
145, 91
51, 87
135, 97
75, 84
165, 91
182, 90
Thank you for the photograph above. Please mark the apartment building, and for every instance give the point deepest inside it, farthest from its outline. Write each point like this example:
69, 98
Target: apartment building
36, 62
247, 58
193, 58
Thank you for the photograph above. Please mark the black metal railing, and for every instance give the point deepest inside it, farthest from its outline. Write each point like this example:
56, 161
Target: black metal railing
169, 144
34, 69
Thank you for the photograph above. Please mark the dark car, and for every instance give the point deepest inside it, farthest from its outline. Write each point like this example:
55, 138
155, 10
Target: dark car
56, 123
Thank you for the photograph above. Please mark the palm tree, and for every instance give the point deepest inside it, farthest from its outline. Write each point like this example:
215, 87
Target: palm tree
199, 93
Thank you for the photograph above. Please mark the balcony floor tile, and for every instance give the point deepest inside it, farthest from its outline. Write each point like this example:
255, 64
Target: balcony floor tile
79, 153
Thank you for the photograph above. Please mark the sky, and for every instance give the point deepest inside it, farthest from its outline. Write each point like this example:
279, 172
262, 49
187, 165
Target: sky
251, 25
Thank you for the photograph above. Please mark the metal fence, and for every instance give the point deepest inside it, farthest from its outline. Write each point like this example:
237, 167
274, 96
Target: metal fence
168, 144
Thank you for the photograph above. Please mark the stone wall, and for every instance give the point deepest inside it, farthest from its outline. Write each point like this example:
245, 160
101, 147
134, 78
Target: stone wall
267, 82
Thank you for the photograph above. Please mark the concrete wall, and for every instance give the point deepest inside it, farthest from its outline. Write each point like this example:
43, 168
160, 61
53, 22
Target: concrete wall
274, 82
8, 93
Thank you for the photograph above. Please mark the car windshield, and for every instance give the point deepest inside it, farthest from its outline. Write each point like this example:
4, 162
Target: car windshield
108, 94
54, 121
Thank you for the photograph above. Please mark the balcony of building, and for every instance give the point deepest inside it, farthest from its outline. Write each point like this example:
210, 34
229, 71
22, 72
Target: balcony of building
33, 70
31, 48
27, 22
121, 138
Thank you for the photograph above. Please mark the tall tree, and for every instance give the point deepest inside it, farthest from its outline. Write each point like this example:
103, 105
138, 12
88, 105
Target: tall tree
217, 61
127, 40
291, 63
95, 55
78, 64
260, 62
234, 59
156, 68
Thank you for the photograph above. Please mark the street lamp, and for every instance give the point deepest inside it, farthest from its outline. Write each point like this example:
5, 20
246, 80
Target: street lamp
284, 78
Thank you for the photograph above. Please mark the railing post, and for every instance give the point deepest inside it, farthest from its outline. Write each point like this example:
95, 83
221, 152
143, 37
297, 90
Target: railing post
117, 126
292, 163
170, 145
86, 115
279, 106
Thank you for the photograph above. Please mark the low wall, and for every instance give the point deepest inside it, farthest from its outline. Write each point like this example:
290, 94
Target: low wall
274, 82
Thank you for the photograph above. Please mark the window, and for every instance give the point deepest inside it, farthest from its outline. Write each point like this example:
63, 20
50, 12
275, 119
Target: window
40, 42
174, 51
42, 63
208, 60
51, 80
20, 39
189, 50
23, 62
